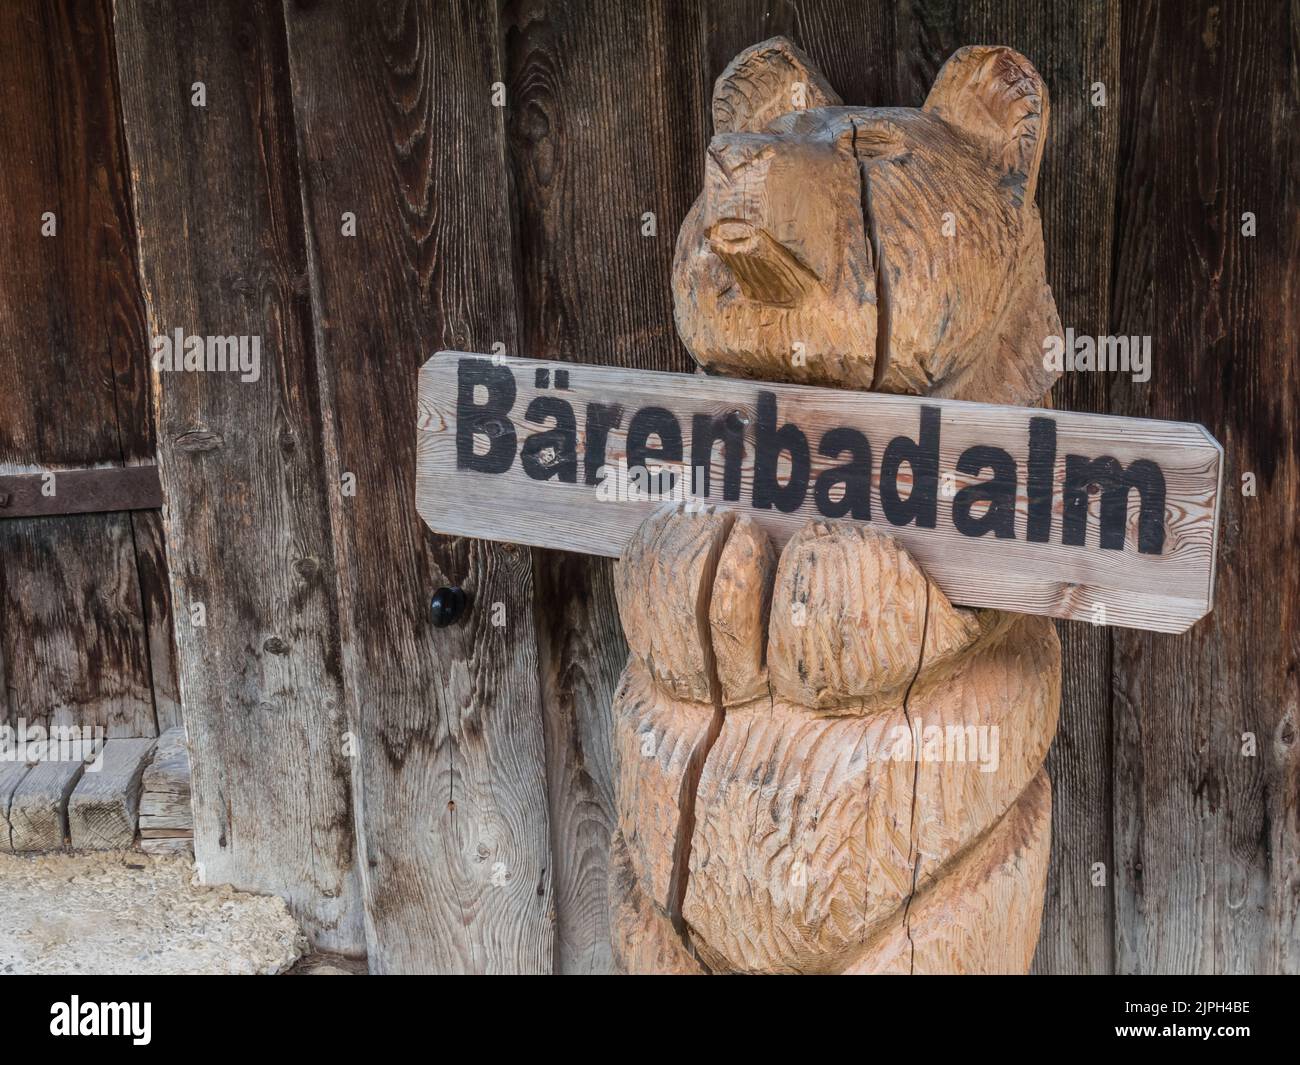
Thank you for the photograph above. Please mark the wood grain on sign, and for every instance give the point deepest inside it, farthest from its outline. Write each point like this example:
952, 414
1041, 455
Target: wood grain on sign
1166, 586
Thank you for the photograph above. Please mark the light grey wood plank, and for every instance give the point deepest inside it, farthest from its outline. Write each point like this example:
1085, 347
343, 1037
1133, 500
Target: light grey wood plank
222, 252
38, 810
103, 807
11, 775
165, 806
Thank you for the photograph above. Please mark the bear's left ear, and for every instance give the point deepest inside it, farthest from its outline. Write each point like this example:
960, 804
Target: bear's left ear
765, 82
995, 95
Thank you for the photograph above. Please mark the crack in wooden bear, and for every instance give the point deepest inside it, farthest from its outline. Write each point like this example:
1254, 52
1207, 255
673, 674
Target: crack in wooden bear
825, 766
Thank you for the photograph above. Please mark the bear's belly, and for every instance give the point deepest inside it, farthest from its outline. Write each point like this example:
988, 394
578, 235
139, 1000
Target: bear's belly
817, 837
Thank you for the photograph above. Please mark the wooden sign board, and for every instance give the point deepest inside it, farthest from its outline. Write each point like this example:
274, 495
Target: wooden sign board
1084, 516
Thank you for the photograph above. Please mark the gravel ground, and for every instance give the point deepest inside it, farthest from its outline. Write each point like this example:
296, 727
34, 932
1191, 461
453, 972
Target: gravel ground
127, 912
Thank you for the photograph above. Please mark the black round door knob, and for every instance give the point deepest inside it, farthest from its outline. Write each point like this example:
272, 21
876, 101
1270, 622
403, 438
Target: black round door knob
447, 606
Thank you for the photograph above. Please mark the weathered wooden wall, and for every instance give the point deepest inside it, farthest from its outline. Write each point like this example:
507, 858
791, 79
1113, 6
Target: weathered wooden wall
470, 823
85, 628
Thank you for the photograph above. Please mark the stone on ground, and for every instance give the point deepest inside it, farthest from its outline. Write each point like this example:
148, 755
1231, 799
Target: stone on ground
123, 912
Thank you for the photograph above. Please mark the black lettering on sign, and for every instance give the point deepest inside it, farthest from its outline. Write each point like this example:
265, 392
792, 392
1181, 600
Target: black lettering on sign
490, 418
661, 423
922, 456
1114, 482
706, 431
553, 453
1014, 534
601, 418
769, 442
1042, 473
999, 491
855, 476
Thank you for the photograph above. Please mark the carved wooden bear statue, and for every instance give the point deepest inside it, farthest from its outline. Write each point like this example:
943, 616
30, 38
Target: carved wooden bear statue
825, 766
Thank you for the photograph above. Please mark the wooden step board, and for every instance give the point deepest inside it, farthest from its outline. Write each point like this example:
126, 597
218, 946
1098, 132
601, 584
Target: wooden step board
166, 820
11, 775
38, 807
100, 804
103, 807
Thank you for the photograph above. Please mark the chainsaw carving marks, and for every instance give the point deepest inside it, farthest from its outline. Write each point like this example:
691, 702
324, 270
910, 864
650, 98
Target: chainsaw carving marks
775, 815
824, 765
888, 248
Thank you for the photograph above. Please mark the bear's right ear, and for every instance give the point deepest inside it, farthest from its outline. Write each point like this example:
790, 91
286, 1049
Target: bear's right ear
765, 82
995, 95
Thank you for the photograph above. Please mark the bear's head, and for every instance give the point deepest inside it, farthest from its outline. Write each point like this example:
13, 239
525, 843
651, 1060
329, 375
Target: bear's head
871, 247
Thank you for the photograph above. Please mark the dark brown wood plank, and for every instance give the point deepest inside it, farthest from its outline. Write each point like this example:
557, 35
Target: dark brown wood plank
1072, 46
79, 644
76, 648
852, 44
398, 127
156, 601
113, 488
1208, 837
222, 252
604, 125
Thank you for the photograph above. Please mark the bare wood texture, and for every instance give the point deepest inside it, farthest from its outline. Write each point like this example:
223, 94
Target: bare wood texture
38, 807
76, 649
807, 257
608, 114
812, 821
398, 127
80, 491
601, 118
79, 640
1075, 47
581, 649
104, 806
222, 251
12, 773
555, 502
1206, 756
165, 807
788, 852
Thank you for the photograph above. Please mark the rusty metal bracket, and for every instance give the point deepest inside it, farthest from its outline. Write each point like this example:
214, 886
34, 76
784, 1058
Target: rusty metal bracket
31, 495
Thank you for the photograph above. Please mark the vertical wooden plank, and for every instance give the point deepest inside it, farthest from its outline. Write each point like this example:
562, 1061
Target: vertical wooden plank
222, 252
76, 644
1073, 46
156, 602
1206, 832
82, 641
604, 126
852, 44
398, 128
